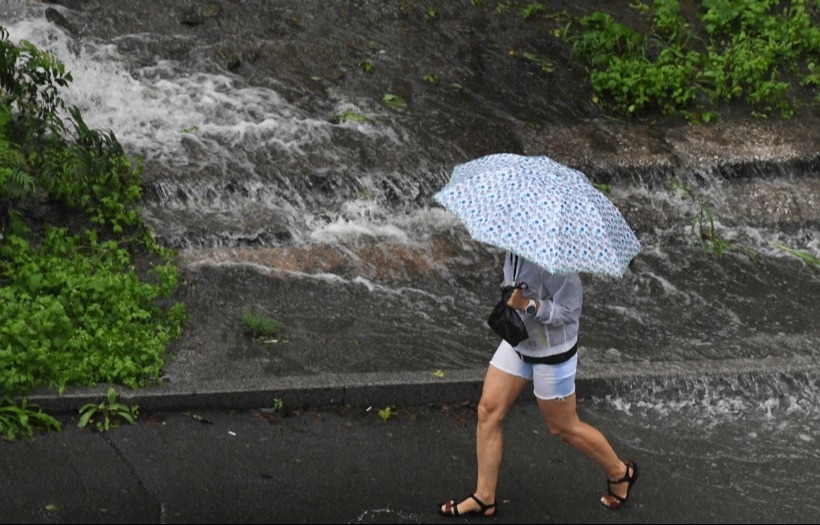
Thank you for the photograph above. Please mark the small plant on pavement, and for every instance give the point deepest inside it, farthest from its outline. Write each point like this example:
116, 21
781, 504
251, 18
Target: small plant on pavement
23, 419
387, 412
108, 414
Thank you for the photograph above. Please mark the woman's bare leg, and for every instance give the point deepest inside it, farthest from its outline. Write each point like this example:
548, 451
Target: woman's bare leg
499, 393
563, 421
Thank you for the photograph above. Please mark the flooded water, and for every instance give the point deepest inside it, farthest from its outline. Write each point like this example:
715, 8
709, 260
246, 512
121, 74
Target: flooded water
289, 186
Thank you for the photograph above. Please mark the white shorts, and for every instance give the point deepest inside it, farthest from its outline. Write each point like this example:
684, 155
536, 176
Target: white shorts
549, 381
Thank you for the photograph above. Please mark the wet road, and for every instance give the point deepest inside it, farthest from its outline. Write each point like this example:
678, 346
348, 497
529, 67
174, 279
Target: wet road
700, 462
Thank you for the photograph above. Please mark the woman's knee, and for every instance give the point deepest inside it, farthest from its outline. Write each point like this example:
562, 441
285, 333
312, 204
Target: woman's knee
490, 411
561, 419
559, 429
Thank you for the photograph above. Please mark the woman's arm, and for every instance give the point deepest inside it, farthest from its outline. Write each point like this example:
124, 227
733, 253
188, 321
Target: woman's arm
559, 302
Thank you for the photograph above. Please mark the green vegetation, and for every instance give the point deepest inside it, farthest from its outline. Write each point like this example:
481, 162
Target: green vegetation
387, 412
755, 52
430, 78
108, 414
24, 419
350, 116
258, 326
809, 259
394, 101
503, 6
687, 59
545, 65
533, 9
702, 229
602, 187
74, 309
706, 236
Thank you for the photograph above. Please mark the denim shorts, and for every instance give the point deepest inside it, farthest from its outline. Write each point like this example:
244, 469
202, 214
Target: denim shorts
549, 381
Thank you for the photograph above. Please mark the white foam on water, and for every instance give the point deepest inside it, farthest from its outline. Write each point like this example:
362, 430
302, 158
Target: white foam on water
179, 118
344, 230
12, 11
782, 419
151, 109
686, 212
365, 219
186, 119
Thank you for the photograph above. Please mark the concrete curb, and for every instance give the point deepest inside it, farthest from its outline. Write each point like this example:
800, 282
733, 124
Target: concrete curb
411, 388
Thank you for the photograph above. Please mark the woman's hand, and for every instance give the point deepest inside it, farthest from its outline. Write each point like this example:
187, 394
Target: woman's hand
517, 300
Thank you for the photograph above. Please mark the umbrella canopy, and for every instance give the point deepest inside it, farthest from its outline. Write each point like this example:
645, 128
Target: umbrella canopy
542, 210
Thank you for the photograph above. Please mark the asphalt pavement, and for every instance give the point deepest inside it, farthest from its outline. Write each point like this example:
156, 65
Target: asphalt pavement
376, 449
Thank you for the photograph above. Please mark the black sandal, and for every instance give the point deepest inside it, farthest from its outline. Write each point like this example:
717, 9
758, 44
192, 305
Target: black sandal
451, 508
616, 502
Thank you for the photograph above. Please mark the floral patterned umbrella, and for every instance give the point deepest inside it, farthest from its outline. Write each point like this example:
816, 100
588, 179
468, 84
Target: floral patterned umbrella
542, 210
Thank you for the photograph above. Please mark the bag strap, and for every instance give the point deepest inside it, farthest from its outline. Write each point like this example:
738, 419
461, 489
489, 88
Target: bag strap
514, 260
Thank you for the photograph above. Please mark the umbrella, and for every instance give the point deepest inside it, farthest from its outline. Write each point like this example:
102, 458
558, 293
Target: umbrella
542, 210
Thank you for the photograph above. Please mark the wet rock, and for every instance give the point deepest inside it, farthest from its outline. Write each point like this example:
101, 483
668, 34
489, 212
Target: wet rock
55, 17
200, 14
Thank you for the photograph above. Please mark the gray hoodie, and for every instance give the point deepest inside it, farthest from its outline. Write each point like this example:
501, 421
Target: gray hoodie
554, 327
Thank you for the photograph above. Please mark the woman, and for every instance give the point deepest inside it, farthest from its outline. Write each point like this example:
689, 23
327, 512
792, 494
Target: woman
550, 305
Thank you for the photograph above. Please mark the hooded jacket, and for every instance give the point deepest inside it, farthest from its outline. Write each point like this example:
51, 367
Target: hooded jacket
554, 327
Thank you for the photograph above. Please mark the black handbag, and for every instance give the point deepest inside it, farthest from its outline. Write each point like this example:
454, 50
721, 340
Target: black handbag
505, 320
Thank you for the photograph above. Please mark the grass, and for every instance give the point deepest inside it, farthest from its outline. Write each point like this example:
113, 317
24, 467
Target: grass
259, 326
806, 257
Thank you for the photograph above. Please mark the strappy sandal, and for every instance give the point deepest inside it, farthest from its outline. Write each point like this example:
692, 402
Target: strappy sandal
613, 501
451, 508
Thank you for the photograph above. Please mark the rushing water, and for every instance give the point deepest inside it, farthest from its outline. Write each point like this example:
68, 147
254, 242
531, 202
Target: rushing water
274, 203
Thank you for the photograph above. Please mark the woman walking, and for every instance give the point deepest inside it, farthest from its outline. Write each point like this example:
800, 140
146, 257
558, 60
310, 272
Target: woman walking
550, 305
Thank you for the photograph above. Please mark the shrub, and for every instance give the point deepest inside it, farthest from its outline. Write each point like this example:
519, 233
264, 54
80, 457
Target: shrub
74, 310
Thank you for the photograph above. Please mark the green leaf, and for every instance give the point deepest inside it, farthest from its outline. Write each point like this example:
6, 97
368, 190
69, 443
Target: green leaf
394, 101
806, 257
85, 418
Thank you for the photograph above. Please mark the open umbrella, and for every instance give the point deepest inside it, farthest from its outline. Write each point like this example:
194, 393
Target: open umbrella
542, 210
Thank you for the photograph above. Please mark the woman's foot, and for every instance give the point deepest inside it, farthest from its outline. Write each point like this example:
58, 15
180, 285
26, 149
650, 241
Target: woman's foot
618, 490
469, 506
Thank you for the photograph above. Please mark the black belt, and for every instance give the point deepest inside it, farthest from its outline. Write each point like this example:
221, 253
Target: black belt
556, 359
